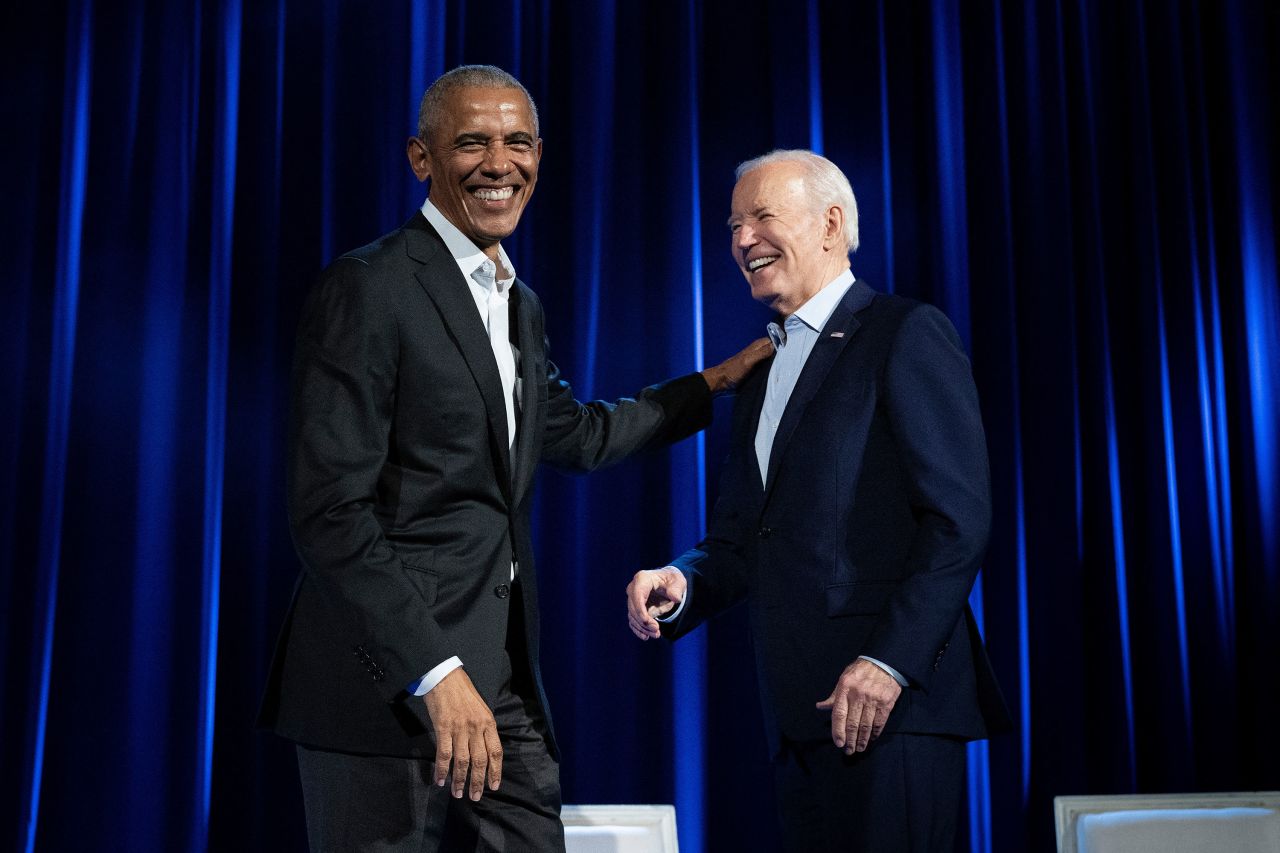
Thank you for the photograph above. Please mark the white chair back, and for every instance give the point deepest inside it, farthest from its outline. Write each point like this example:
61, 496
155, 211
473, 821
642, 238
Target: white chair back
620, 829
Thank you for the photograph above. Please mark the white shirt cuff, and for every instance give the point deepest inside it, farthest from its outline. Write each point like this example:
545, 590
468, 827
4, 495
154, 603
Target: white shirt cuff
897, 676
675, 614
425, 684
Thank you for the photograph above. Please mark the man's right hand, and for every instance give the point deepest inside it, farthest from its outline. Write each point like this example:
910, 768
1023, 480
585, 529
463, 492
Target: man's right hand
653, 593
728, 374
466, 735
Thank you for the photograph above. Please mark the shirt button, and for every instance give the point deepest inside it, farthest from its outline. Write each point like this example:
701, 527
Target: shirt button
502, 590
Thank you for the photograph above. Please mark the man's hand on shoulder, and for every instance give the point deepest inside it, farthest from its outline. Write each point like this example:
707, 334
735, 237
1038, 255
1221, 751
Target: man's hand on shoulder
860, 705
466, 735
728, 374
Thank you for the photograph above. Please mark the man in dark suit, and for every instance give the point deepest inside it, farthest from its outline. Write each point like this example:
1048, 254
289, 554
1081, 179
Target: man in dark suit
423, 401
854, 510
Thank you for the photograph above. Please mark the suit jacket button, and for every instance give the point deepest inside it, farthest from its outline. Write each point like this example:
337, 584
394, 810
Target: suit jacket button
502, 590
765, 532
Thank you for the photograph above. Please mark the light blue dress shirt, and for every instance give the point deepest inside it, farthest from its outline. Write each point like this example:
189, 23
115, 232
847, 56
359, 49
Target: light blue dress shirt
793, 341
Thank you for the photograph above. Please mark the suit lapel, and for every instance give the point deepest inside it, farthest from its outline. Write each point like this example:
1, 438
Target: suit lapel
444, 284
530, 347
835, 336
752, 396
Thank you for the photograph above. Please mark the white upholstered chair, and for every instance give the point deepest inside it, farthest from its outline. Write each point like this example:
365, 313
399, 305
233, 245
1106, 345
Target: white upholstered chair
619, 829
1245, 822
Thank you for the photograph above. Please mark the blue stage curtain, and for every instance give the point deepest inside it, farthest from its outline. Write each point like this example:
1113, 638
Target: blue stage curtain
1087, 188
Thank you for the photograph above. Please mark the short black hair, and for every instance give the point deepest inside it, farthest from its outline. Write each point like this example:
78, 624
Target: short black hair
478, 76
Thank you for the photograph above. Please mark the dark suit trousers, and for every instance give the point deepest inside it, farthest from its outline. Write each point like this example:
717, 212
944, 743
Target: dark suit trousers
389, 805
902, 794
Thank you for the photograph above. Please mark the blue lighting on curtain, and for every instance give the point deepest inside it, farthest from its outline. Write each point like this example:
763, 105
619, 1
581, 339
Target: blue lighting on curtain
75, 151
1024, 634
978, 757
1205, 385
1207, 432
592, 196
1220, 462
1122, 575
1166, 404
278, 137
517, 29
1020, 525
1262, 329
135, 83
419, 31
459, 29
1077, 452
1175, 520
591, 205
216, 409
815, 78
426, 53
948, 84
1261, 292
161, 461
329, 127
1109, 410
886, 154
1213, 398
689, 496
1224, 577
426, 63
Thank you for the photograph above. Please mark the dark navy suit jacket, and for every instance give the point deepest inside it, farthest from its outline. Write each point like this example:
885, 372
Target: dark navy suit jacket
867, 536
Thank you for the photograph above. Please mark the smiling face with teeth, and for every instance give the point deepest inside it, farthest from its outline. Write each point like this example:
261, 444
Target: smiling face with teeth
787, 246
482, 161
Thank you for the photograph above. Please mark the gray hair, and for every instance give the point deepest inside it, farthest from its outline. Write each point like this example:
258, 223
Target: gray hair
824, 181
466, 76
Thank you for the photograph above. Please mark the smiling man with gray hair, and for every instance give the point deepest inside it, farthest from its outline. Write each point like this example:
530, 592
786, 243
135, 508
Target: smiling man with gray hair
853, 515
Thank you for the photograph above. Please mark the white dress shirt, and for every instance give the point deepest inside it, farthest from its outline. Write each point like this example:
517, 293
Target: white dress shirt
481, 275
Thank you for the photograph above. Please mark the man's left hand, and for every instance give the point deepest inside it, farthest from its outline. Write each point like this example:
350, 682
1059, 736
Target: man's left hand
860, 705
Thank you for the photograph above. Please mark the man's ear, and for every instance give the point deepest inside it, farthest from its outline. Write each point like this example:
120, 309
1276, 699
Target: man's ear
419, 158
833, 228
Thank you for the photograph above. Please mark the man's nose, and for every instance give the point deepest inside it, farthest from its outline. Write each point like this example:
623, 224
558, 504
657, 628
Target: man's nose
497, 160
745, 237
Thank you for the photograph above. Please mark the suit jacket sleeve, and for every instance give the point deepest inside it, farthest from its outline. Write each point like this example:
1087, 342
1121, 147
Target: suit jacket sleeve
932, 406
587, 436
718, 570
343, 400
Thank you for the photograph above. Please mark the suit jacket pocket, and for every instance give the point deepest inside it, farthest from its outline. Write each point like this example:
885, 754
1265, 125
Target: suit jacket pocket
426, 581
858, 598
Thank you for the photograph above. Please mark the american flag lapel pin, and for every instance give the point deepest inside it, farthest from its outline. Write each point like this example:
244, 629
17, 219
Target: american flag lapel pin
837, 334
